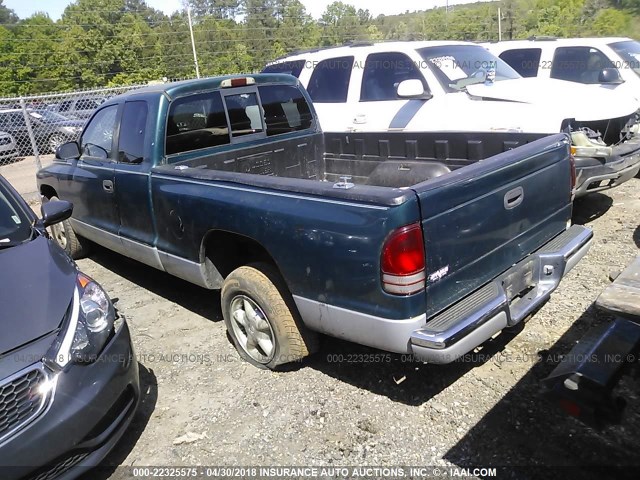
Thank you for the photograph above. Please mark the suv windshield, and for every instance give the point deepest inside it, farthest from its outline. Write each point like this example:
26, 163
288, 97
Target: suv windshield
629, 51
15, 226
457, 66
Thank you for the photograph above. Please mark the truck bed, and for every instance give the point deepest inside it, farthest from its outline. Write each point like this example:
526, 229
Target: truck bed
390, 159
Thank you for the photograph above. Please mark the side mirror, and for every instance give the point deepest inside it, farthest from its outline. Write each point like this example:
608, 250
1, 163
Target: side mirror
68, 151
413, 89
55, 212
610, 76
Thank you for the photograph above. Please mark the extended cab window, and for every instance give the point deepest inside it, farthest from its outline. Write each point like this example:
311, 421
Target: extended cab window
97, 138
244, 114
383, 72
525, 61
285, 109
132, 132
195, 122
579, 64
329, 82
292, 67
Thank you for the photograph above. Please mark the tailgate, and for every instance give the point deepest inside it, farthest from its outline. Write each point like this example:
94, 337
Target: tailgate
482, 219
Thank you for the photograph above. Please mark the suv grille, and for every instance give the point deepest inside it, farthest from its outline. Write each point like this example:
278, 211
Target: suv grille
21, 400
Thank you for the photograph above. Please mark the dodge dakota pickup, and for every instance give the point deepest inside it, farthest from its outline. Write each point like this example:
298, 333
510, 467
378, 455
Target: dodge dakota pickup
426, 247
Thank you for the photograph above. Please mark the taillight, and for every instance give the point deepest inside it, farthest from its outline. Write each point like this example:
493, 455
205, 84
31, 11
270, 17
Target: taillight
402, 261
572, 162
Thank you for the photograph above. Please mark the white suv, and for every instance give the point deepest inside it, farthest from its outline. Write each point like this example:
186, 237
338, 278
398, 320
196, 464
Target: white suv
413, 87
611, 62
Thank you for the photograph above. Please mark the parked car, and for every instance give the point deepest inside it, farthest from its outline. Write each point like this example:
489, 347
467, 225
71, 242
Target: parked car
8, 148
68, 378
79, 107
611, 62
410, 246
415, 87
50, 129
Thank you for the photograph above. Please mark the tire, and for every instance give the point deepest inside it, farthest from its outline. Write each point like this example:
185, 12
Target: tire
261, 318
62, 233
54, 142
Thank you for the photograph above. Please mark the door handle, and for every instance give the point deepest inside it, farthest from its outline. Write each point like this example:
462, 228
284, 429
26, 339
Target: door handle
513, 198
107, 186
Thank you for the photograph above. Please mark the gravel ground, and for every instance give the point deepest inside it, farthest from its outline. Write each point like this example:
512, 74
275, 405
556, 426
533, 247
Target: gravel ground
366, 409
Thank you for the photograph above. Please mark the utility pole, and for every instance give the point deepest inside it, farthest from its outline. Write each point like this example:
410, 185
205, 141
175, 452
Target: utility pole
499, 24
446, 16
193, 42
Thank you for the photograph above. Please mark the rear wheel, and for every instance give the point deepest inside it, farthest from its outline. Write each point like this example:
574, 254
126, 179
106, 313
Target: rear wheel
62, 233
262, 319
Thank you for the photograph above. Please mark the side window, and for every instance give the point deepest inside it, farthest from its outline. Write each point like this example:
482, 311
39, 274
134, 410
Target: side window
244, 114
525, 61
132, 132
579, 64
293, 67
383, 72
285, 109
195, 122
97, 138
329, 82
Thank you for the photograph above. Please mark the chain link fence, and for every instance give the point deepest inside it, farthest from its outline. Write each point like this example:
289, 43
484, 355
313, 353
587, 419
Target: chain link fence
34, 126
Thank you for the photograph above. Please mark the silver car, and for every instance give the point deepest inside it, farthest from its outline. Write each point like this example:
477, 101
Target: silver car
8, 148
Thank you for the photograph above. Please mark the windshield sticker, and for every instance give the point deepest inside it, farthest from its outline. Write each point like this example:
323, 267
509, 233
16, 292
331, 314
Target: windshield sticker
449, 66
636, 57
16, 219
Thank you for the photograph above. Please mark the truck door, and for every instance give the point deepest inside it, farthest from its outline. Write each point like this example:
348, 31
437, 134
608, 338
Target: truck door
132, 194
92, 187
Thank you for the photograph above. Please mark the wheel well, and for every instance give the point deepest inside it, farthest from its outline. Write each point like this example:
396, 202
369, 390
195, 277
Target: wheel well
48, 191
228, 251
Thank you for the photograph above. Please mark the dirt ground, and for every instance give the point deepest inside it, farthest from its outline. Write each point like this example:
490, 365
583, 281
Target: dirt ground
484, 412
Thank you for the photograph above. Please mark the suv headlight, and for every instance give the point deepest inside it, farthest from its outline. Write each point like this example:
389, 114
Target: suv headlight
90, 324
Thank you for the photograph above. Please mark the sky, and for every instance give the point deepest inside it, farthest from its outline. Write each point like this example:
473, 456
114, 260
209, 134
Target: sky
25, 8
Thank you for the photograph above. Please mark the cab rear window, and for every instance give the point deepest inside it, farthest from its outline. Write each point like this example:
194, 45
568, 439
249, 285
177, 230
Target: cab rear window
285, 109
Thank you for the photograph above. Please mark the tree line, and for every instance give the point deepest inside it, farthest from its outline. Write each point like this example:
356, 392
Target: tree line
119, 42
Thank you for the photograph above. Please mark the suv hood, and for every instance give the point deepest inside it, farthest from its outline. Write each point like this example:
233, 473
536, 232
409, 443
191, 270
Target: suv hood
37, 288
566, 99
